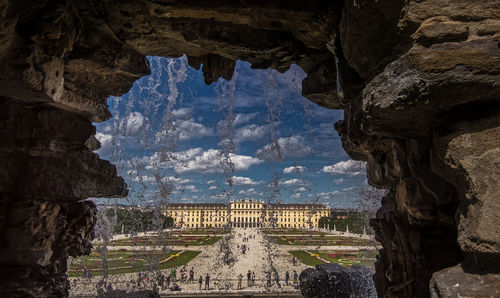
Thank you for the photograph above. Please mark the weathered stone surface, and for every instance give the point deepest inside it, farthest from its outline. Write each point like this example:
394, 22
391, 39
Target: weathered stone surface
38, 237
457, 282
44, 151
335, 281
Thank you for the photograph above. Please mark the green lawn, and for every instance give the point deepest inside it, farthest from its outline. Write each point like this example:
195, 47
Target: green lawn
344, 258
201, 231
212, 240
366, 258
184, 258
162, 240
323, 240
129, 261
280, 241
305, 258
292, 232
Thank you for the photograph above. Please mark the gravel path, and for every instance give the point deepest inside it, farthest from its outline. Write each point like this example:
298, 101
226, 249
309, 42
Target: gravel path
224, 261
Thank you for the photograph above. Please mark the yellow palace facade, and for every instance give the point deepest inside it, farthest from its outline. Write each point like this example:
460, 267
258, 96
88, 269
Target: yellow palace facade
247, 213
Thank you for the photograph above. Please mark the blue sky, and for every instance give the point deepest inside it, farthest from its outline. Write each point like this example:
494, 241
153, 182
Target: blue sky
175, 139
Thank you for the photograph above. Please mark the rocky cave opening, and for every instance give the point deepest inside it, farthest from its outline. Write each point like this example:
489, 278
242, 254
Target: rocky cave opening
418, 82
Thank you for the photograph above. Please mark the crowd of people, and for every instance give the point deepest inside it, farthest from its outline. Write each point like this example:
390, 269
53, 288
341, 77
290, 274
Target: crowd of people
183, 275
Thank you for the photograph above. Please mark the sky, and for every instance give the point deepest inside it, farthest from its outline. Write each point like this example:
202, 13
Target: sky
175, 139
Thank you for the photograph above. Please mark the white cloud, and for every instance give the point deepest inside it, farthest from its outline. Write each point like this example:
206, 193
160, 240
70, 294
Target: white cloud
213, 187
338, 181
191, 188
348, 167
295, 182
211, 181
301, 189
106, 141
295, 169
328, 195
250, 132
131, 123
182, 112
296, 195
250, 191
176, 179
294, 146
151, 179
183, 130
237, 180
188, 129
243, 118
144, 179
198, 160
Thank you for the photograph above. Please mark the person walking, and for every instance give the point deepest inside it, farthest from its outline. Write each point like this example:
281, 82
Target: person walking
207, 282
268, 278
287, 277
200, 282
295, 279
191, 275
161, 280
253, 278
173, 273
249, 278
240, 278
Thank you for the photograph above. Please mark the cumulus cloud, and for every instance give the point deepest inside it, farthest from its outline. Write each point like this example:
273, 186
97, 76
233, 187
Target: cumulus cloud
294, 182
184, 130
178, 179
243, 118
237, 180
144, 179
199, 160
338, 181
182, 112
250, 191
294, 146
106, 141
295, 169
250, 132
348, 167
191, 187
328, 195
151, 179
189, 129
131, 123
213, 187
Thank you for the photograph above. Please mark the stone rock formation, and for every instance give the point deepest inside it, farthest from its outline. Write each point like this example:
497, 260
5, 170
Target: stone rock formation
418, 81
336, 281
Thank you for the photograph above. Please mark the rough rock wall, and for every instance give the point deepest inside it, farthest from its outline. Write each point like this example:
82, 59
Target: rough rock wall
418, 81
427, 123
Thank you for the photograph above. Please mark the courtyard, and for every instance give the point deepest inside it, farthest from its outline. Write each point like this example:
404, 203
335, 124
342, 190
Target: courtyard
225, 257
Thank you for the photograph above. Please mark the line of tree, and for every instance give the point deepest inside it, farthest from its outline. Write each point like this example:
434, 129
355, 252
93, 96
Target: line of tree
357, 222
134, 220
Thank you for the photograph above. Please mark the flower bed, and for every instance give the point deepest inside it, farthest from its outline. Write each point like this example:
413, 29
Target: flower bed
344, 258
324, 241
119, 262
